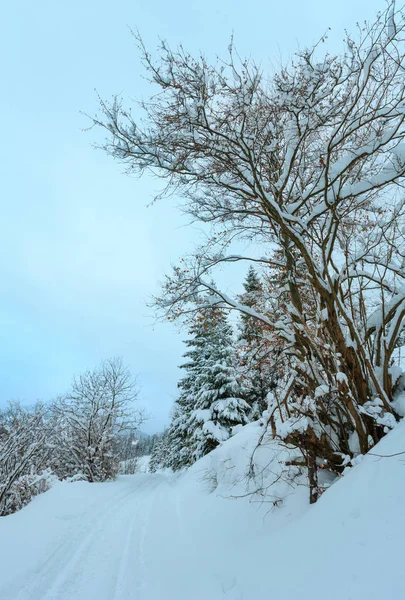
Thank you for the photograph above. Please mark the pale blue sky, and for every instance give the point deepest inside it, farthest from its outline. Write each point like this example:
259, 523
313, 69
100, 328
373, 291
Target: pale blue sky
79, 250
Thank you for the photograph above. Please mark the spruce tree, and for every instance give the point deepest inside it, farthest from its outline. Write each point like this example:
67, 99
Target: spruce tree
211, 396
180, 452
159, 451
219, 403
178, 437
253, 350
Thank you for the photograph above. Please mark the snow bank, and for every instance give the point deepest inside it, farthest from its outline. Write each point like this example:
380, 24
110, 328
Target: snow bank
346, 547
243, 468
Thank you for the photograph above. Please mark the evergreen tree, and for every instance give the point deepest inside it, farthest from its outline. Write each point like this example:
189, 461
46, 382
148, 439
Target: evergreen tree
250, 329
211, 396
219, 403
180, 453
178, 437
253, 349
159, 450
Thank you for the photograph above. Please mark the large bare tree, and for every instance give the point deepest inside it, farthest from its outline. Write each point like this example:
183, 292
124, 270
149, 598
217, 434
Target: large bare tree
308, 165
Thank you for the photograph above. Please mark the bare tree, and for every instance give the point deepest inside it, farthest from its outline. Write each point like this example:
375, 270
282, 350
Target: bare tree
98, 407
311, 162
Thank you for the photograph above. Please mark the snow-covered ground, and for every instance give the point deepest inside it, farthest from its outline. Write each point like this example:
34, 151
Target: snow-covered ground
143, 463
170, 537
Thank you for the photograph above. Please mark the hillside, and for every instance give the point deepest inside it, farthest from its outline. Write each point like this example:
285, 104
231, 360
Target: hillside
155, 536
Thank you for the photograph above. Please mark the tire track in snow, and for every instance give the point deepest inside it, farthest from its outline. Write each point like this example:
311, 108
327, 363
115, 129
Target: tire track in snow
129, 581
121, 584
58, 588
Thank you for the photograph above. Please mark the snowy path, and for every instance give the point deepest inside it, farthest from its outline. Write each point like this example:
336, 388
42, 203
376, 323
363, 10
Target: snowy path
165, 537
105, 549
124, 540
109, 561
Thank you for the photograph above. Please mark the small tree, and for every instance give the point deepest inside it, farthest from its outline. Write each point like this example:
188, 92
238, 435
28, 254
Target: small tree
91, 416
256, 353
159, 453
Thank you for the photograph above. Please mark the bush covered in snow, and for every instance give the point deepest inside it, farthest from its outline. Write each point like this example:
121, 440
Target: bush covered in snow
25, 488
26, 448
79, 436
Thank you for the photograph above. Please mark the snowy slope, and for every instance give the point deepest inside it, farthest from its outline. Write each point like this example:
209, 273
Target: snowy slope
167, 537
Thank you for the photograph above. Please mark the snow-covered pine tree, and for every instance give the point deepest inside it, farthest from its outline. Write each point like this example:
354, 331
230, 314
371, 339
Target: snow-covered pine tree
178, 437
219, 400
253, 349
252, 297
180, 452
159, 451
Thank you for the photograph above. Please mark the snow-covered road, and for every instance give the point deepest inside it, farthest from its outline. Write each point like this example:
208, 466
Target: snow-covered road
97, 541
142, 537
171, 537
147, 536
